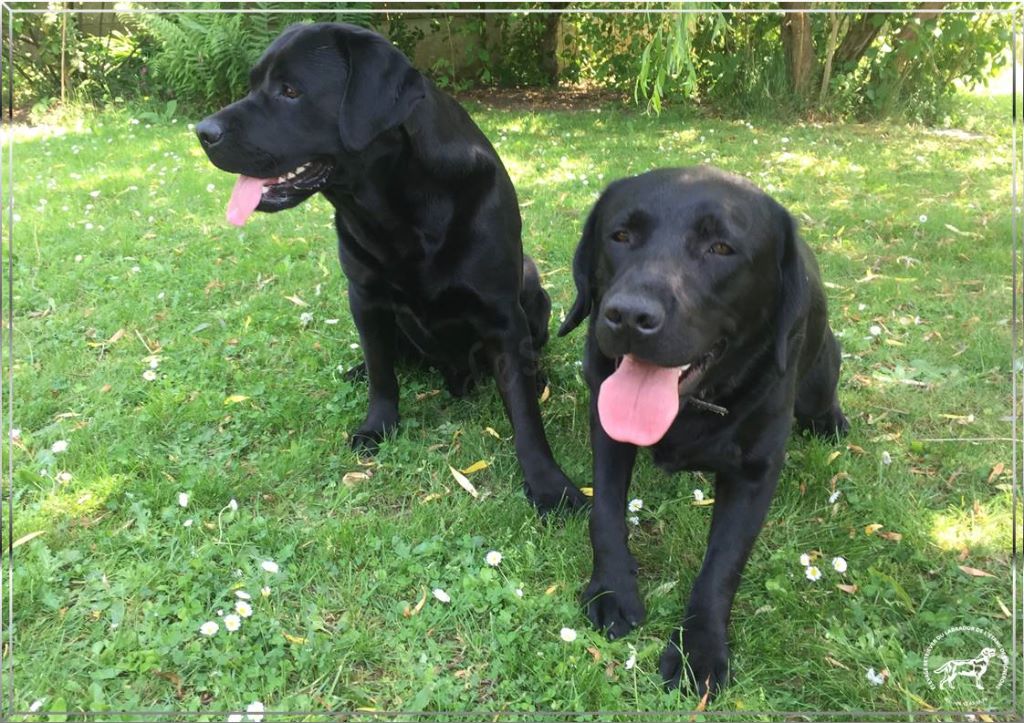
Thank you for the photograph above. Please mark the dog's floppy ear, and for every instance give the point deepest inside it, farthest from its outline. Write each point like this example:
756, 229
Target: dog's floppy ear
793, 287
381, 88
583, 263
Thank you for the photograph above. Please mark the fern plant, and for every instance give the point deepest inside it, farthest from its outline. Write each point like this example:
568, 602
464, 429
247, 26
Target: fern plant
203, 60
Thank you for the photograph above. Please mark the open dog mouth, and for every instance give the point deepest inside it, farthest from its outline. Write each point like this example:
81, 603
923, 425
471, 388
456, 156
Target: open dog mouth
640, 400
271, 194
690, 375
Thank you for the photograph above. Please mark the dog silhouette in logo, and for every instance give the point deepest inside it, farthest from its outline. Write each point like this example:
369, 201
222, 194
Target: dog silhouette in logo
974, 668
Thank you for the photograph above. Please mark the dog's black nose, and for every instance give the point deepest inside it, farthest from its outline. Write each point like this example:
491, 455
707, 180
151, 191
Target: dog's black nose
633, 314
209, 131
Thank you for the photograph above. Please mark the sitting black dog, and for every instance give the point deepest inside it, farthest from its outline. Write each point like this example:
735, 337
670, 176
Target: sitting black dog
427, 219
708, 332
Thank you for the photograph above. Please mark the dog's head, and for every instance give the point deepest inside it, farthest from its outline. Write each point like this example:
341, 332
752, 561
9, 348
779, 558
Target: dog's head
319, 94
686, 275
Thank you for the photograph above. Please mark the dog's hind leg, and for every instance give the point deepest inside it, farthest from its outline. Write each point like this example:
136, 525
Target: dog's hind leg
817, 404
537, 305
514, 361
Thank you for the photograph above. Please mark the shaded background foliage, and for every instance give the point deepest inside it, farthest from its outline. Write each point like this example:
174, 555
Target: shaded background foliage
826, 63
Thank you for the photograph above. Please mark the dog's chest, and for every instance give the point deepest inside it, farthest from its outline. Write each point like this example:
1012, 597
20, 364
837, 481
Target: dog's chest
697, 441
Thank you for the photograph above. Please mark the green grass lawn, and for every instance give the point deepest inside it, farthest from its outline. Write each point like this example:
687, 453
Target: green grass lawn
123, 265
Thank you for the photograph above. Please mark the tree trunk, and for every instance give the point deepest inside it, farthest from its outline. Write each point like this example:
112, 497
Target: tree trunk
549, 41
798, 43
830, 50
859, 38
909, 33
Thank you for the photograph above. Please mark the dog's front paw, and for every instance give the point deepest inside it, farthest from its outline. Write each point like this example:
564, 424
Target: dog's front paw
705, 665
366, 440
614, 606
554, 494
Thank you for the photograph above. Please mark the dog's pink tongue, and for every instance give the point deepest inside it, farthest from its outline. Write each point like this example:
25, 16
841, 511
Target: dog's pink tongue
245, 197
638, 402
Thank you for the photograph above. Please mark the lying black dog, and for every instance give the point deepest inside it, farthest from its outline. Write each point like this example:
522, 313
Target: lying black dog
708, 331
427, 218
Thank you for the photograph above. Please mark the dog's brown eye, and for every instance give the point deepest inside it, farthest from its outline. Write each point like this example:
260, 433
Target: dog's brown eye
289, 92
620, 237
721, 249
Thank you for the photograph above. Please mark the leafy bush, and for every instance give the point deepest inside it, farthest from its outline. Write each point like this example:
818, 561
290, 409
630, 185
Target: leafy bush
861, 64
96, 69
203, 60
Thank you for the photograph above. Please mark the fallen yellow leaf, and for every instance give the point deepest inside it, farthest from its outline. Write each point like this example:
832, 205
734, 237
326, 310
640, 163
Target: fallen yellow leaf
476, 467
551, 590
1002, 606
27, 538
704, 502
293, 638
833, 457
464, 482
351, 478
490, 431
588, 491
235, 399
545, 394
891, 536
975, 572
410, 612
296, 300
872, 528
851, 589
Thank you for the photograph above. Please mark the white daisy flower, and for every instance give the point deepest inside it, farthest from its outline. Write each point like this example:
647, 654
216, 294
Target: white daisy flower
886, 458
441, 595
698, 495
493, 558
519, 592
255, 711
265, 591
233, 505
834, 496
187, 523
875, 330
64, 477
209, 628
15, 433
567, 634
305, 318
270, 566
634, 520
631, 660
232, 623
635, 505
839, 564
36, 705
242, 595
805, 560
235, 718
210, 188
59, 446
183, 499
149, 375
874, 678
243, 608
813, 573
922, 218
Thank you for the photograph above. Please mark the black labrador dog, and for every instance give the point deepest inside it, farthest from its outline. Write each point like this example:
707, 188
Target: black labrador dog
429, 232
708, 332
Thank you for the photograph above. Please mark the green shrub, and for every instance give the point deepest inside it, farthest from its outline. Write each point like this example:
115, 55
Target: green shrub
203, 60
